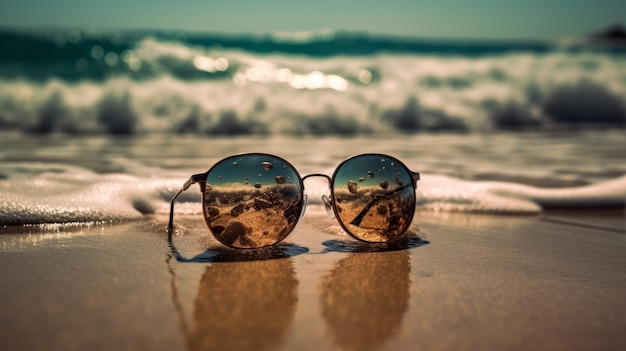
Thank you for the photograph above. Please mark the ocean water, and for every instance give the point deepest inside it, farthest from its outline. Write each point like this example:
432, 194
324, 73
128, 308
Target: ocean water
106, 126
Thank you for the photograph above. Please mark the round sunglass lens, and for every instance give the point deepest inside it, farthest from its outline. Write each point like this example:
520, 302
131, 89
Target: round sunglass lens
374, 197
252, 200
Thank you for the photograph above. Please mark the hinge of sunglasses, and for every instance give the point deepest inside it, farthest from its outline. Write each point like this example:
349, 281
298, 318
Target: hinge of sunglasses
416, 177
196, 178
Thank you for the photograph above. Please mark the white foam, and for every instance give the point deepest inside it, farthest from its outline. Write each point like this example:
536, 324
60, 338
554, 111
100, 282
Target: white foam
64, 194
406, 92
71, 194
443, 193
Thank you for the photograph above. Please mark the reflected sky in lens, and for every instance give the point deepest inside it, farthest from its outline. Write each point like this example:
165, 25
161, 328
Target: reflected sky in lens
252, 170
371, 170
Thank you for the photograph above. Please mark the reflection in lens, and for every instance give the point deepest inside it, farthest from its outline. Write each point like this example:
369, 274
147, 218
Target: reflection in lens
381, 205
365, 297
267, 166
244, 305
246, 214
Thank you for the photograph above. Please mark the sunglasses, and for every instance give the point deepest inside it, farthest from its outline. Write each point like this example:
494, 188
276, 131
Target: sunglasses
255, 200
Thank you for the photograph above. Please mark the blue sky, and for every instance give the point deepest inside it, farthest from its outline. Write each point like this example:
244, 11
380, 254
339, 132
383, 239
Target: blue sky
480, 19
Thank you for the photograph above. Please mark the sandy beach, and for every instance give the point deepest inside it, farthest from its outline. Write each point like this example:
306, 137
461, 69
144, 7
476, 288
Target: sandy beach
459, 282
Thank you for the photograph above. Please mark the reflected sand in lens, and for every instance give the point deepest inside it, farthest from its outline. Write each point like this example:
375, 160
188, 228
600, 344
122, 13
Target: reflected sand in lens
376, 215
247, 218
365, 297
244, 305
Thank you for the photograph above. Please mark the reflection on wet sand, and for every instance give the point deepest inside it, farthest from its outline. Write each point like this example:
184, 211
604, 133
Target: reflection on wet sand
243, 305
365, 297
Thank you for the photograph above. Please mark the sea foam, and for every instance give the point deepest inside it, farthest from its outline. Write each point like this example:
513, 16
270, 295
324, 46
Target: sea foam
167, 86
66, 194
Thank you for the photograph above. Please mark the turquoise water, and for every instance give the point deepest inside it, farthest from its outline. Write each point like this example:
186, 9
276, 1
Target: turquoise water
326, 83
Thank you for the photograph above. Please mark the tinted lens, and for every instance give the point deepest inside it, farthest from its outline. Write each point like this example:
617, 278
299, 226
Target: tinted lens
374, 197
252, 200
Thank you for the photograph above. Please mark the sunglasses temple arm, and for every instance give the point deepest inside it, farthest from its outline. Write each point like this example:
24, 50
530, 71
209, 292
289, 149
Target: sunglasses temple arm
192, 180
170, 225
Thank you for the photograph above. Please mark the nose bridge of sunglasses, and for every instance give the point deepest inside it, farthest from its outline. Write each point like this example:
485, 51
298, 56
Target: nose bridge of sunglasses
317, 175
318, 186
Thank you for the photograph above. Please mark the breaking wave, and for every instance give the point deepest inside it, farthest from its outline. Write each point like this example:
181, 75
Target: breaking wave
152, 84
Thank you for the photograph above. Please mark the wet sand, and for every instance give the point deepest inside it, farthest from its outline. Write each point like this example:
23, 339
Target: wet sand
551, 282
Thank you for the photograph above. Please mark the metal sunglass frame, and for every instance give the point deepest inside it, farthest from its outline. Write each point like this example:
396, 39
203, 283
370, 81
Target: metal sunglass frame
201, 180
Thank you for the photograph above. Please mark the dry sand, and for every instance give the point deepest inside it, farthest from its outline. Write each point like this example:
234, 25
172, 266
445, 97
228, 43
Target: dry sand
550, 282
